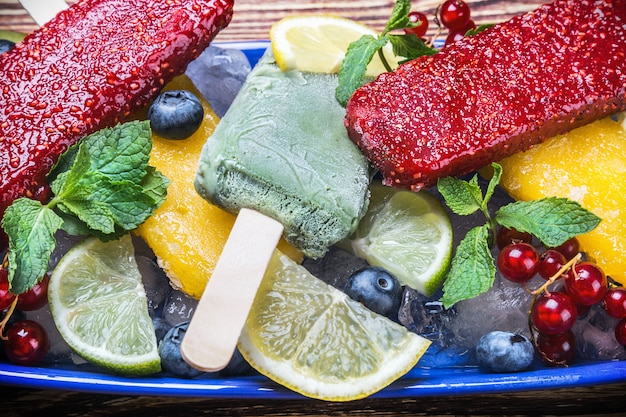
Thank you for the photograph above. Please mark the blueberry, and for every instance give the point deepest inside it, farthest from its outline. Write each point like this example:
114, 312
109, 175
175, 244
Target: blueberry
377, 290
6, 45
169, 351
237, 366
161, 327
500, 351
176, 114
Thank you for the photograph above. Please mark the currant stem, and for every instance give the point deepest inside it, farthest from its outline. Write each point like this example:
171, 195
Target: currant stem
6, 318
560, 272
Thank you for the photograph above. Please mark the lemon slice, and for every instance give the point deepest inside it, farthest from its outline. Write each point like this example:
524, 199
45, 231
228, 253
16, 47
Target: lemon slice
407, 233
315, 340
319, 43
99, 305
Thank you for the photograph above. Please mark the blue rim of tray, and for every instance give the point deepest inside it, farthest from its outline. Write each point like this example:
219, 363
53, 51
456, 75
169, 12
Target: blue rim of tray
420, 381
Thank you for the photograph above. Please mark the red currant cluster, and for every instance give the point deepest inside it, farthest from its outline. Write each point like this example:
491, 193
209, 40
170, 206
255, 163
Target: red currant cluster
577, 286
453, 15
25, 341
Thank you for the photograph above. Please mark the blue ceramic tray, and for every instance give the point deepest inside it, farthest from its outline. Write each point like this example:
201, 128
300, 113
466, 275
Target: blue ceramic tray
420, 381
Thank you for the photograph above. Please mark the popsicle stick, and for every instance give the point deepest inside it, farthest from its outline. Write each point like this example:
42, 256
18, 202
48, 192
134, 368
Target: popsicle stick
211, 338
43, 10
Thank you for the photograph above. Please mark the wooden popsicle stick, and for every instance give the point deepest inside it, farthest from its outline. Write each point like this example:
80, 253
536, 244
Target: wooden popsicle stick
214, 330
43, 10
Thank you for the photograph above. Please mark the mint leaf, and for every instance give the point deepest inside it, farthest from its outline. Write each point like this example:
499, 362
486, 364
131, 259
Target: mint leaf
121, 153
128, 204
472, 271
155, 185
361, 51
399, 18
31, 227
103, 204
102, 186
462, 197
493, 183
65, 182
478, 29
94, 214
410, 47
72, 225
552, 220
354, 66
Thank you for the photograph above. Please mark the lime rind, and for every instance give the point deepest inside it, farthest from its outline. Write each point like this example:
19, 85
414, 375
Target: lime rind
314, 340
99, 306
12, 35
407, 233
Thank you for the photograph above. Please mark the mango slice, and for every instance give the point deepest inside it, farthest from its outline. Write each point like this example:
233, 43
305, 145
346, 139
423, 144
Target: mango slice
587, 165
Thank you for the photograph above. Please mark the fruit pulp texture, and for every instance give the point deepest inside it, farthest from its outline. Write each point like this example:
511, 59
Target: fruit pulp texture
587, 165
187, 233
89, 68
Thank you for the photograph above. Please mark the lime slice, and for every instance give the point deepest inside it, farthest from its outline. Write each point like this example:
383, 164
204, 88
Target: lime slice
99, 305
313, 339
317, 43
407, 233
12, 36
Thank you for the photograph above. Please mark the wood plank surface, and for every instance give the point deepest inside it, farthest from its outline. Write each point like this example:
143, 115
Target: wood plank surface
253, 18
605, 400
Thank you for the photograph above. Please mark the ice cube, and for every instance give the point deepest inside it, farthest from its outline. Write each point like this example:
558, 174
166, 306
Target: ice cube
179, 307
427, 317
64, 242
142, 248
335, 267
155, 282
59, 350
218, 73
504, 307
595, 336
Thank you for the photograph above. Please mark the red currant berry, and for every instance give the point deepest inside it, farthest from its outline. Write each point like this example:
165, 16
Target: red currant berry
586, 283
518, 262
581, 310
27, 343
6, 296
456, 35
454, 14
554, 313
550, 262
569, 248
620, 332
421, 20
36, 297
557, 349
506, 236
615, 302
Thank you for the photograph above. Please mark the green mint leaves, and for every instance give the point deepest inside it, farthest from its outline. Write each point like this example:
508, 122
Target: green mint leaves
102, 186
552, 220
31, 227
360, 52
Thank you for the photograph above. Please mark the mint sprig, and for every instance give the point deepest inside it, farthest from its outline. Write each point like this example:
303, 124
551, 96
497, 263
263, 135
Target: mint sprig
361, 52
552, 220
103, 186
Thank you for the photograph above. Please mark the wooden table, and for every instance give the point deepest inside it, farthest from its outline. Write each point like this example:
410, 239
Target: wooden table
253, 18
251, 22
